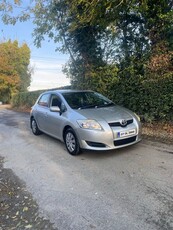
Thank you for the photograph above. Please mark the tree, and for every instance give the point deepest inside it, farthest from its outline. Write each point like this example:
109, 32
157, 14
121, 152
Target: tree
14, 72
82, 42
158, 16
143, 31
60, 21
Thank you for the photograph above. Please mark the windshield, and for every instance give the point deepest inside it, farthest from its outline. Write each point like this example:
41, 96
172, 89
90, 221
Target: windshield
85, 100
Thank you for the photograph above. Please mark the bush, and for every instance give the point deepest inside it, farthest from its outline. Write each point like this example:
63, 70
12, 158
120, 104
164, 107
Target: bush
25, 99
152, 99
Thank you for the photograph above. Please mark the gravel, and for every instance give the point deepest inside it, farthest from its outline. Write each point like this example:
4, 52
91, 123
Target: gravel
18, 210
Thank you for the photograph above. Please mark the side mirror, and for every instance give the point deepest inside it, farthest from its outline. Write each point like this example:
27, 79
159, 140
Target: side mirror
55, 109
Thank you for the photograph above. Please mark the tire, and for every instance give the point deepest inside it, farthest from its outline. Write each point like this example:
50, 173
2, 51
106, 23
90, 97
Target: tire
71, 142
34, 127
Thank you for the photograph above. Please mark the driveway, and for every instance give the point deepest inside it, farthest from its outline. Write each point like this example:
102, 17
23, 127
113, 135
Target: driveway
125, 189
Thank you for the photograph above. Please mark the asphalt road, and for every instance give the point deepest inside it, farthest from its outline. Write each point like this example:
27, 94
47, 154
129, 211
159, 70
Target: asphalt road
125, 189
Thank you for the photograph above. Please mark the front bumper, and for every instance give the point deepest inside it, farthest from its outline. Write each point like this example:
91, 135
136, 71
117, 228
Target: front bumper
109, 137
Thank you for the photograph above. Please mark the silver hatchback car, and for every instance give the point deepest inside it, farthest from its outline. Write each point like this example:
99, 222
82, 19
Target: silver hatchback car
84, 120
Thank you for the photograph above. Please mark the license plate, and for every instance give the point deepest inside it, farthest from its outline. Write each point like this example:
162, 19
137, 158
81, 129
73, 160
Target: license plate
127, 133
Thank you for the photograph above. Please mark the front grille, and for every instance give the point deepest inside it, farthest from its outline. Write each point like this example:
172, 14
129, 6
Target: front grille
125, 141
118, 124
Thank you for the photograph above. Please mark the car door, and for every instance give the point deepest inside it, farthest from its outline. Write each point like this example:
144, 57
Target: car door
55, 120
42, 110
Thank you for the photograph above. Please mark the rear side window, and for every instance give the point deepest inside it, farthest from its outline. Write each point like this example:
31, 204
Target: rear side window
44, 100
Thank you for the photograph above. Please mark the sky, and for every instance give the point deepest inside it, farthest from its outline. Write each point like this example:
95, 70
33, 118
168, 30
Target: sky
47, 63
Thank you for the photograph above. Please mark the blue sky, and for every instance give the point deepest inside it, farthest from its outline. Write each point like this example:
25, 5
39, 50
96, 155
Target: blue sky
46, 62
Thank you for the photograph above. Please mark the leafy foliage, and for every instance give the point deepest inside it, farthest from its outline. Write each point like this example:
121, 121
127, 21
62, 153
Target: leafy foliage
152, 99
26, 100
14, 74
8, 86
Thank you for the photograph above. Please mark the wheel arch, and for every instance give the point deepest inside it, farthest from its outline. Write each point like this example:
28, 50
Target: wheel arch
65, 129
70, 127
31, 117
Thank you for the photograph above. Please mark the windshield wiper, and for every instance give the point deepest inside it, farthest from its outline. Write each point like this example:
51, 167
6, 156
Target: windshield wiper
96, 106
106, 105
88, 107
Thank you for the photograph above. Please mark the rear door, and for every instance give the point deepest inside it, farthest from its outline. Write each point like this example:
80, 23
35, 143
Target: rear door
42, 111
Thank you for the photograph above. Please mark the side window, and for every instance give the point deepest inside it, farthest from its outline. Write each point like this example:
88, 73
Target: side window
55, 101
44, 100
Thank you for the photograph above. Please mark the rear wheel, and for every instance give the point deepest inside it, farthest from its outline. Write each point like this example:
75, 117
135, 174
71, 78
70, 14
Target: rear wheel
34, 127
71, 142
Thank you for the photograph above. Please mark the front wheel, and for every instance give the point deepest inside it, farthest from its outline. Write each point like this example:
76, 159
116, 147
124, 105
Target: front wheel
71, 142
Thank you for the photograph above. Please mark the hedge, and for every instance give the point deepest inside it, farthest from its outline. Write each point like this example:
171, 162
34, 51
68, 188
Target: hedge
27, 99
24, 99
152, 99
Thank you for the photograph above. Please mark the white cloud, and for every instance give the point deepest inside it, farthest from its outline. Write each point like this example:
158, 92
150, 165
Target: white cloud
47, 74
43, 64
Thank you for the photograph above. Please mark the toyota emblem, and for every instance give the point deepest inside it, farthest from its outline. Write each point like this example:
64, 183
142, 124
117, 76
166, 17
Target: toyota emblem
123, 122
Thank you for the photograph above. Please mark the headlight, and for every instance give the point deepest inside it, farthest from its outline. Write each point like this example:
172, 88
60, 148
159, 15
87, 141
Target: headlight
89, 124
137, 117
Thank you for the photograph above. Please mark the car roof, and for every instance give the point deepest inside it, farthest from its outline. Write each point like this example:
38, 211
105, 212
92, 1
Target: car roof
61, 91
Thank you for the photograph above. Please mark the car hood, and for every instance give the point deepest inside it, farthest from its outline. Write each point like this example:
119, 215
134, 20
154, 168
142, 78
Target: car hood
110, 114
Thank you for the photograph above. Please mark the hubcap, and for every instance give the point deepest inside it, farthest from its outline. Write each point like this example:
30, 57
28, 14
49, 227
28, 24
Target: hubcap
70, 142
34, 126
